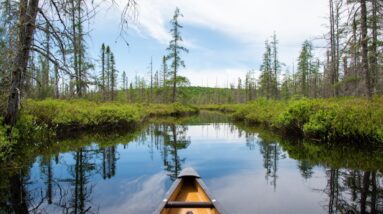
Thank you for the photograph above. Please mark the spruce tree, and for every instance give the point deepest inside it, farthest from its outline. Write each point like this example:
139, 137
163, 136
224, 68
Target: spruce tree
305, 66
276, 65
113, 76
103, 70
175, 48
265, 80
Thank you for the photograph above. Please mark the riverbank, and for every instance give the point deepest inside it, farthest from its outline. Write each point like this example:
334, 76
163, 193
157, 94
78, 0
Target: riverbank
354, 120
64, 116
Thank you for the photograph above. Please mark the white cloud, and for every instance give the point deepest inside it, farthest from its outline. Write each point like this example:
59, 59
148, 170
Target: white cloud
248, 20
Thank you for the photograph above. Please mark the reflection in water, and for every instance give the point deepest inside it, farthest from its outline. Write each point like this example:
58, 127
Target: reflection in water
169, 139
175, 139
108, 161
119, 174
306, 169
354, 191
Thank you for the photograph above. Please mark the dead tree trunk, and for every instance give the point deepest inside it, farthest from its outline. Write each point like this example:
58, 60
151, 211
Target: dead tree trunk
27, 19
374, 45
364, 44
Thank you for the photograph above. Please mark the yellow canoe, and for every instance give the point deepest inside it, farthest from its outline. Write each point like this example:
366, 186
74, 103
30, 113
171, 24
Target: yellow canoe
189, 195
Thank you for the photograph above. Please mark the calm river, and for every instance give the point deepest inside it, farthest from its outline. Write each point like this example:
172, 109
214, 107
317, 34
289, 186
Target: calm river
249, 170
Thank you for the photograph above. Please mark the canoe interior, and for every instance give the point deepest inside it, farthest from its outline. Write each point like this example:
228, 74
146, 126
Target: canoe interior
189, 190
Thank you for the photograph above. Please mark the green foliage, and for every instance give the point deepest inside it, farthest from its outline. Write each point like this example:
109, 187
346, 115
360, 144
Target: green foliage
174, 109
330, 120
83, 113
4, 143
56, 113
357, 119
297, 114
261, 111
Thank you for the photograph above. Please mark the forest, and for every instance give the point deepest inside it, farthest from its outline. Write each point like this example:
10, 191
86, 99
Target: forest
48, 79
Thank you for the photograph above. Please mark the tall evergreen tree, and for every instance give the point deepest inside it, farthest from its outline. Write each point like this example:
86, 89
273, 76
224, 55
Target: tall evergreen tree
266, 78
276, 65
305, 66
113, 76
103, 51
175, 48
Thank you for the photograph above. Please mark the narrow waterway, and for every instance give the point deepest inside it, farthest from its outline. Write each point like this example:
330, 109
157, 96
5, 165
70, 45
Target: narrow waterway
249, 170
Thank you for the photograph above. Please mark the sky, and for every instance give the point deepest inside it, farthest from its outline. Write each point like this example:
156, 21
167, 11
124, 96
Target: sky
225, 38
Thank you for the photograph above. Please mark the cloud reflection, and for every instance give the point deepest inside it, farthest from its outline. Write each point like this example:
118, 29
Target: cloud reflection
145, 200
246, 192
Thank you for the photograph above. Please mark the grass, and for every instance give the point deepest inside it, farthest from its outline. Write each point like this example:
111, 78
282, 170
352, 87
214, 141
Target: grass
328, 120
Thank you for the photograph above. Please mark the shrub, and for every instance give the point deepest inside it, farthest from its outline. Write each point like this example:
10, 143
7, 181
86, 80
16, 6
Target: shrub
351, 119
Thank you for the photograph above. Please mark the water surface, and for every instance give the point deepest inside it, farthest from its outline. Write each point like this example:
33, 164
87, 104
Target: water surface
249, 170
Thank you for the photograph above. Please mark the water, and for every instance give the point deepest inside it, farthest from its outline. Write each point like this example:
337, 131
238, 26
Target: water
247, 169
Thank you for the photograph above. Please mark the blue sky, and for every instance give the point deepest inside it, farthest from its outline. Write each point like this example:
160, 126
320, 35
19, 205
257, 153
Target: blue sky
225, 40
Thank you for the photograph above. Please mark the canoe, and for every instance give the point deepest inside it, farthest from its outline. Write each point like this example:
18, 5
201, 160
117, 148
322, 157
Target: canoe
189, 195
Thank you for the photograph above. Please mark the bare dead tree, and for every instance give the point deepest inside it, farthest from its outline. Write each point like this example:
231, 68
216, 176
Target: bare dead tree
51, 17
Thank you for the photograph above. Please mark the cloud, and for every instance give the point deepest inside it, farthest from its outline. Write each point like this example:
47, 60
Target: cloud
245, 24
248, 20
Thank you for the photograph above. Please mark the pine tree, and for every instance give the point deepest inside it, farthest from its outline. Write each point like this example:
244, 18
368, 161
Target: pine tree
266, 78
305, 66
107, 70
276, 65
113, 76
175, 49
103, 52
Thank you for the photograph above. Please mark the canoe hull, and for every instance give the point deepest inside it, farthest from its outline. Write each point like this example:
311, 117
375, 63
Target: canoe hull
189, 195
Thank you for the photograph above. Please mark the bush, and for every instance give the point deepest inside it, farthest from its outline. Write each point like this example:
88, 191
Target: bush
83, 113
174, 109
351, 119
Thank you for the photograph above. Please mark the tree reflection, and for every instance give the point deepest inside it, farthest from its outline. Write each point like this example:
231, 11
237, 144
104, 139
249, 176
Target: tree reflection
108, 162
46, 169
354, 191
271, 153
306, 169
19, 195
81, 191
174, 139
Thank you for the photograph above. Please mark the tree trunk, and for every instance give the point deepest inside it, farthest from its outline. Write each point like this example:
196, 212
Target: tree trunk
27, 18
374, 45
57, 91
175, 78
364, 44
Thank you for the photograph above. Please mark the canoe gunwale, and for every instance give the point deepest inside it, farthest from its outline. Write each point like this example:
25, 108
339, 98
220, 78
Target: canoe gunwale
216, 204
191, 174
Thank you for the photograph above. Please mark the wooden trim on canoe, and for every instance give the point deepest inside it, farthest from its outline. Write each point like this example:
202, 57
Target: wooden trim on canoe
184, 204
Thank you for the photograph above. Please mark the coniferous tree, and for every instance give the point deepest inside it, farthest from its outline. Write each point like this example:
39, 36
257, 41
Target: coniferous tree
266, 78
304, 67
113, 75
276, 65
175, 48
107, 70
103, 52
